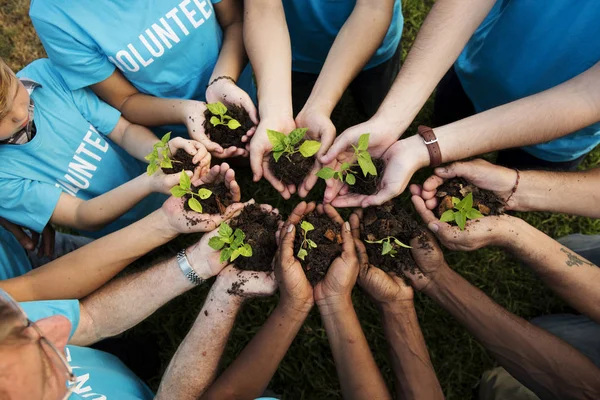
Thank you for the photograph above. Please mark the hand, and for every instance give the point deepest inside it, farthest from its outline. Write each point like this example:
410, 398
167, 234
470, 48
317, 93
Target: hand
260, 149
246, 284
402, 160
201, 155
204, 259
28, 242
480, 173
321, 129
478, 233
222, 174
384, 288
429, 259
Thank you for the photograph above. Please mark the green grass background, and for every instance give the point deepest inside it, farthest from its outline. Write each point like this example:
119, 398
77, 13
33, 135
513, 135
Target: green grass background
308, 370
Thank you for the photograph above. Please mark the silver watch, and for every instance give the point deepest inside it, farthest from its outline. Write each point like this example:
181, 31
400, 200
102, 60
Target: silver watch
187, 269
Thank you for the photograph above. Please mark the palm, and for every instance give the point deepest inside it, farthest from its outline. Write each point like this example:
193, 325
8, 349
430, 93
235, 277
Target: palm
429, 258
247, 284
340, 276
383, 287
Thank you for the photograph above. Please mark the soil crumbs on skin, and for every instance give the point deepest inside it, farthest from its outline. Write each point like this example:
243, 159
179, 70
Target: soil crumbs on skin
260, 229
327, 236
292, 170
483, 200
369, 184
224, 136
390, 220
181, 161
216, 203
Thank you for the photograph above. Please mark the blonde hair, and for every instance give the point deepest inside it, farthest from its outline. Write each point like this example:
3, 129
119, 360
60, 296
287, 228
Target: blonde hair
7, 79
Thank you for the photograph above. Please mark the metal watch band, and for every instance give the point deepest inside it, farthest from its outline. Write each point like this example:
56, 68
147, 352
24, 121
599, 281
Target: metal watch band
187, 269
431, 141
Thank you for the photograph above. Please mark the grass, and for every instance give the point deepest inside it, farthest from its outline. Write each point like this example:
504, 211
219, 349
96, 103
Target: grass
308, 370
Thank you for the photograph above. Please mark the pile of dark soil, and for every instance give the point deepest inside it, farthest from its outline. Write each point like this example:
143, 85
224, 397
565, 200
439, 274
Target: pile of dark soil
181, 161
327, 236
215, 204
484, 200
369, 184
260, 229
224, 136
292, 170
390, 220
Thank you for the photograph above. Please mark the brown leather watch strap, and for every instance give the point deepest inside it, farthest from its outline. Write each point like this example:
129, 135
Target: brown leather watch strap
435, 155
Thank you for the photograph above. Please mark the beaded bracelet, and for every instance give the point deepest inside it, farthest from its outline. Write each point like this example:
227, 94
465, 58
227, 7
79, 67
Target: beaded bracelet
221, 77
514, 189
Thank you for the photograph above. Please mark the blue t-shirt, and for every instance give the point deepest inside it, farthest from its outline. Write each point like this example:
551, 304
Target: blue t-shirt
314, 25
70, 153
524, 47
13, 257
165, 48
99, 375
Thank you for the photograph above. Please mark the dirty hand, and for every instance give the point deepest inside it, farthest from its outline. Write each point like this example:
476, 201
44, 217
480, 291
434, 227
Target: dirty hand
246, 284
222, 174
194, 148
430, 262
204, 259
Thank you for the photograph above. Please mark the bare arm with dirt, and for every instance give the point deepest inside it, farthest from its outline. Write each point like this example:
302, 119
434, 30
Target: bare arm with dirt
549, 367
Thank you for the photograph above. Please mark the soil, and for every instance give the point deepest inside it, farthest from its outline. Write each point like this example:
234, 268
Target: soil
181, 161
215, 204
224, 136
369, 184
327, 236
293, 170
260, 229
484, 200
390, 220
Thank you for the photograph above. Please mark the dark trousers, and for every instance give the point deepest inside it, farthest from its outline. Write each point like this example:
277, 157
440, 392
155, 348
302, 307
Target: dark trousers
452, 104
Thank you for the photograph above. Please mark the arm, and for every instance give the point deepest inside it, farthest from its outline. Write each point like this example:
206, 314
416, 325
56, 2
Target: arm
232, 57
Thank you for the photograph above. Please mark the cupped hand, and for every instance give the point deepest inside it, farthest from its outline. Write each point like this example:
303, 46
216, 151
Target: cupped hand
204, 259
222, 174
246, 284
429, 259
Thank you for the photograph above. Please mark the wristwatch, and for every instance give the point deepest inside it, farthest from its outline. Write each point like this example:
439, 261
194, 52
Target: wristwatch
187, 269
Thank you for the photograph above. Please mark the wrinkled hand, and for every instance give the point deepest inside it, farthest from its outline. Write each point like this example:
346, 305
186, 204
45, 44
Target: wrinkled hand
46, 248
480, 173
430, 262
478, 233
246, 284
194, 148
260, 152
321, 129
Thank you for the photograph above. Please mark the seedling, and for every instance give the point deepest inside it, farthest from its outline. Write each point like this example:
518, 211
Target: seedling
160, 156
387, 247
219, 111
230, 243
346, 172
185, 187
306, 242
463, 210
286, 144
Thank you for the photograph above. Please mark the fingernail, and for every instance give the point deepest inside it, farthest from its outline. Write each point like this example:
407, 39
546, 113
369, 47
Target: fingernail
290, 228
347, 226
433, 227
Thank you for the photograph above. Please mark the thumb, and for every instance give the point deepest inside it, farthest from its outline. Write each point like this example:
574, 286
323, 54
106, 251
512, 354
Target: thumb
256, 159
340, 144
460, 169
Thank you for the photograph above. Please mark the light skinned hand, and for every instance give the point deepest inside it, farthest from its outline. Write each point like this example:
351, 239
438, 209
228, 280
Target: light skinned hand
194, 148
249, 283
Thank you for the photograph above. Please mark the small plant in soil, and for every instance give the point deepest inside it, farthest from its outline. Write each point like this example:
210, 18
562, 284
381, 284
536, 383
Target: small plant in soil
159, 157
226, 124
185, 188
231, 243
293, 156
485, 201
348, 172
306, 242
463, 210
387, 248
220, 117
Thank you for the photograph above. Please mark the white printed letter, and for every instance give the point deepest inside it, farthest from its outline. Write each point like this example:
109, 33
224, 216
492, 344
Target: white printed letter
190, 14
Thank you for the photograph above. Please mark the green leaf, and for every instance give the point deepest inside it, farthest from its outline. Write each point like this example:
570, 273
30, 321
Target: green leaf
215, 121
225, 255
238, 239
246, 250
233, 124
326, 173
151, 169
166, 163
236, 253
279, 148
151, 156
350, 178
297, 135
366, 164
375, 241
217, 108
455, 201
307, 226
466, 203
195, 205
309, 148
185, 181
447, 216
302, 253
277, 155
387, 247
461, 219
311, 243
216, 243
473, 213
338, 175
165, 139
345, 166
204, 194
363, 141
178, 191
287, 141
225, 230
275, 137
239, 234
399, 243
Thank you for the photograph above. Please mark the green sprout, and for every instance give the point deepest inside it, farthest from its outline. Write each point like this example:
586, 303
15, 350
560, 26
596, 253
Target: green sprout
387, 246
234, 241
160, 156
463, 210
306, 242
219, 111
346, 172
185, 187
286, 144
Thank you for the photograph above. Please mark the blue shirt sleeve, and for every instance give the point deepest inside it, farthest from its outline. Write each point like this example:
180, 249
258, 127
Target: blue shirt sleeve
37, 310
98, 113
77, 57
28, 203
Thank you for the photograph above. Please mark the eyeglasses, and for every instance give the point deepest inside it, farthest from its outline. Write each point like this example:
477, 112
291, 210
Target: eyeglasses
58, 359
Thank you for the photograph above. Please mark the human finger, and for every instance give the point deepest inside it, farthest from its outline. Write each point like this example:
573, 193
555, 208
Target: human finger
430, 186
355, 225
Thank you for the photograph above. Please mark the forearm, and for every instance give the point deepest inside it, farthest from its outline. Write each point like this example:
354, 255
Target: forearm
545, 364
194, 365
138, 141
415, 376
358, 373
442, 37
232, 57
264, 22
84, 270
253, 369
146, 110
350, 52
